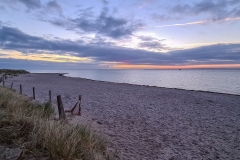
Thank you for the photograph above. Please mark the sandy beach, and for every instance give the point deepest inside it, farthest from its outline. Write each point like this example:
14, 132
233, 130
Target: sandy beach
148, 123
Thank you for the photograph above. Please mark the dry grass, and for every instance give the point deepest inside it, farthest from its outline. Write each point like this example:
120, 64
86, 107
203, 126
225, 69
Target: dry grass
31, 125
12, 71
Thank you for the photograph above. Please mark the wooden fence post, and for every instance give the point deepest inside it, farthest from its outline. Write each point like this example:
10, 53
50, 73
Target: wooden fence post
50, 96
76, 110
79, 109
61, 112
3, 83
11, 85
20, 89
33, 92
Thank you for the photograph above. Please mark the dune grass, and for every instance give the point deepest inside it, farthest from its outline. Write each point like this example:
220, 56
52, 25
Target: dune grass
12, 71
32, 126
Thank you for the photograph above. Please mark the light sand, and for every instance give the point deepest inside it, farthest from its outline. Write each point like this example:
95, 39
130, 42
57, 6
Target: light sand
148, 123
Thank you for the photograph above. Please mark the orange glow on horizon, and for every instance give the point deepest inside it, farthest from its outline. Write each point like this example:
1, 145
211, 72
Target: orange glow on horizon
131, 66
48, 57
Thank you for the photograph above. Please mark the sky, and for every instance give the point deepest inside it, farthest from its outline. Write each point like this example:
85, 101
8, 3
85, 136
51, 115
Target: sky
119, 34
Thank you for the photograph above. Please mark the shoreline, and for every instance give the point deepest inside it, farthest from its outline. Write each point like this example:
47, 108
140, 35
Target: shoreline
147, 122
141, 85
157, 86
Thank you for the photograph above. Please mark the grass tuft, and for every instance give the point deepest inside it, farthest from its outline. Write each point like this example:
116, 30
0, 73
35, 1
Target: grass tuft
32, 124
12, 71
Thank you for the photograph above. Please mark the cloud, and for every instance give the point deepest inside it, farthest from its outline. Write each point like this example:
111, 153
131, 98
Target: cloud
2, 7
100, 41
31, 4
105, 2
30, 64
2, 54
161, 18
103, 24
85, 20
199, 22
144, 3
216, 10
34, 5
151, 43
14, 39
54, 6
149, 38
185, 8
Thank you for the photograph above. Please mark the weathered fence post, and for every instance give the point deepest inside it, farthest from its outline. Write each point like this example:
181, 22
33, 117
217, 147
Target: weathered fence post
3, 83
50, 96
61, 112
20, 89
33, 92
11, 85
79, 109
76, 110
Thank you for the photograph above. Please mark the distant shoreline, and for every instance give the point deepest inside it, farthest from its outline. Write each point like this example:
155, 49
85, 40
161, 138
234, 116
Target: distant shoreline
217, 81
64, 74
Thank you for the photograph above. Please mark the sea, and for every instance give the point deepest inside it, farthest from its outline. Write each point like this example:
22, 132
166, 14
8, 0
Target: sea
213, 80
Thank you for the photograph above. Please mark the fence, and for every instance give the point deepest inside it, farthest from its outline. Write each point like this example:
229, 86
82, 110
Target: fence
76, 110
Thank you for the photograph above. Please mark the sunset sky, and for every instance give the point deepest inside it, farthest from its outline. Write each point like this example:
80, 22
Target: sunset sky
108, 34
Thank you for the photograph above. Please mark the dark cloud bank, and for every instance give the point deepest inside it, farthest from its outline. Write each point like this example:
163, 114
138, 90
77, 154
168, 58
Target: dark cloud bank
14, 39
216, 9
103, 24
33, 5
86, 21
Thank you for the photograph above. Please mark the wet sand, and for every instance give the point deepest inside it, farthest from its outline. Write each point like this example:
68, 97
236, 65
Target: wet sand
148, 123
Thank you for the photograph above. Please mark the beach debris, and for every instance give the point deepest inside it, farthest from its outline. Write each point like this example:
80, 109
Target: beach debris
62, 74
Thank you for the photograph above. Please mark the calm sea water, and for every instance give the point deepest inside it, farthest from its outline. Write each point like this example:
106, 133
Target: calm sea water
222, 81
